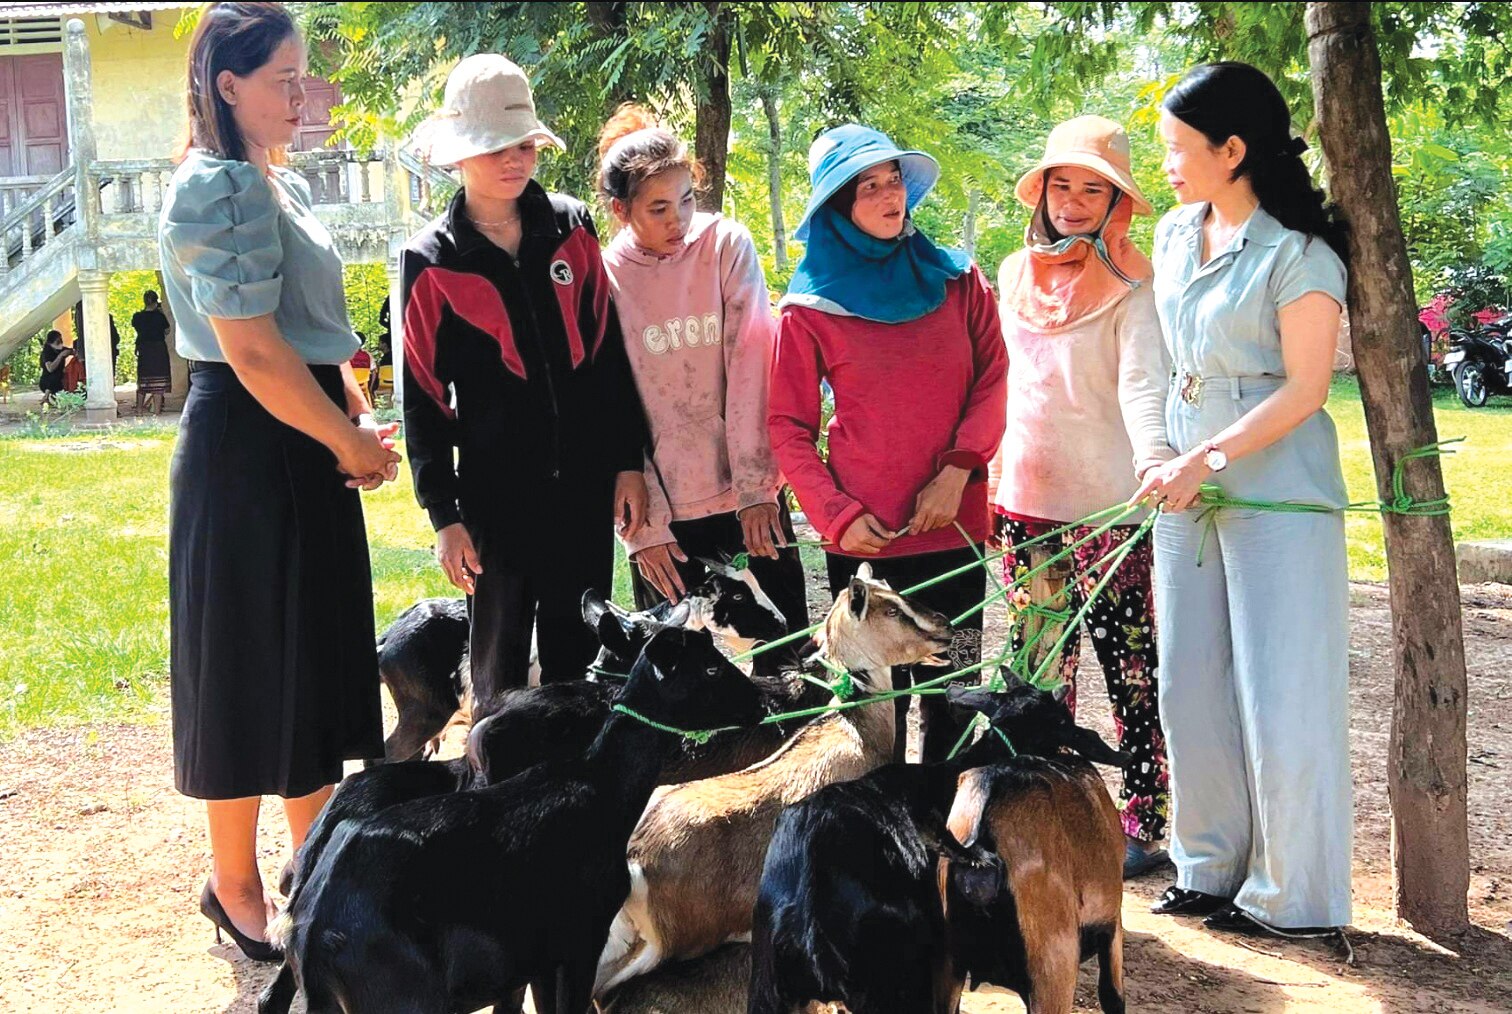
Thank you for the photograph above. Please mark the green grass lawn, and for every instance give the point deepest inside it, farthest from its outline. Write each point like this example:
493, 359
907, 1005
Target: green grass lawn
1478, 475
83, 551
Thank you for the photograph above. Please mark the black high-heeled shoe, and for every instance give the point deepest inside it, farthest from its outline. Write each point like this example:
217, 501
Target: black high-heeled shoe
256, 950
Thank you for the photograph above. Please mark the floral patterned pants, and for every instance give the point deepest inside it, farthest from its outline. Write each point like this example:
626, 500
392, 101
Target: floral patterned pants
1122, 623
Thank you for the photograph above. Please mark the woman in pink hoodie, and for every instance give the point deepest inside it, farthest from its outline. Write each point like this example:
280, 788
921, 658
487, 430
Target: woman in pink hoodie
698, 328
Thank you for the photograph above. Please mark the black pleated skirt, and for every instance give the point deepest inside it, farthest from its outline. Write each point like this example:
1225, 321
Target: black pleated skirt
274, 669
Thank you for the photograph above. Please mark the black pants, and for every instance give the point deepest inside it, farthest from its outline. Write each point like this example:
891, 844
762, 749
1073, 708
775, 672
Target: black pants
537, 581
720, 536
941, 728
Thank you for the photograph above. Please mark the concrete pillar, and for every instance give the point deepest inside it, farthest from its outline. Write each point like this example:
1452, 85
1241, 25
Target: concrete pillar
100, 404
396, 329
396, 205
78, 90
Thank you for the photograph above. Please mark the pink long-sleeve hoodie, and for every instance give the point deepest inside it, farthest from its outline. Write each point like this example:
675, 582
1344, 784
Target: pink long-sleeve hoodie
698, 328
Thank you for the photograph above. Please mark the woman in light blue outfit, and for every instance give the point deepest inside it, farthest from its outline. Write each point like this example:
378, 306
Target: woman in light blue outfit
1252, 606
273, 671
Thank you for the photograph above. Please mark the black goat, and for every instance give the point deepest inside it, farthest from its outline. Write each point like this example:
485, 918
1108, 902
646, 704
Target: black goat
422, 659
521, 742
850, 909
459, 901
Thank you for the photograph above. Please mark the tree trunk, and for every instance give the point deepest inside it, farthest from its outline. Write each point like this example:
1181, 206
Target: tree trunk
1426, 774
969, 226
774, 175
711, 131
608, 20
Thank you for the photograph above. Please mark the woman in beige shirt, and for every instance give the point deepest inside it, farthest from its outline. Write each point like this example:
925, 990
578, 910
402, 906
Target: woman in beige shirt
1086, 390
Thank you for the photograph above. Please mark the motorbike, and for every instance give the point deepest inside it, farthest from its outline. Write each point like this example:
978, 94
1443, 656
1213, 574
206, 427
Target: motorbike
1480, 361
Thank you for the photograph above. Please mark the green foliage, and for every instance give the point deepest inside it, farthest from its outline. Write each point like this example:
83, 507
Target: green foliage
26, 363
978, 85
366, 286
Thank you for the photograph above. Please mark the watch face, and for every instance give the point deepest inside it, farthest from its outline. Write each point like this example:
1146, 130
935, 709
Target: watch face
1217, 460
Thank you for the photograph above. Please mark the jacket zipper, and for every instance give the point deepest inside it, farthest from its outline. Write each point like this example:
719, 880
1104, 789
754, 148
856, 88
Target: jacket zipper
556, 412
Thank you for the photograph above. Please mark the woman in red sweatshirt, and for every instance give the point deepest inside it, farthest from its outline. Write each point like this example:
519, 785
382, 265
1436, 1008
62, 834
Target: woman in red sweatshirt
906, 334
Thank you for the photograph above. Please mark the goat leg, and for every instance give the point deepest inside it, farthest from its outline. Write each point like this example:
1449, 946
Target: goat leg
543, 992
574, 982
514, 1005
278, 997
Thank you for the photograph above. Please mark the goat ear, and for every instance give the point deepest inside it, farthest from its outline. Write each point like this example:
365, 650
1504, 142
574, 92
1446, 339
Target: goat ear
1061, 692
613, 635
594, 606
977, 699
969, 808
1091, 746
864, 572
858, 596
718, 567
680, 614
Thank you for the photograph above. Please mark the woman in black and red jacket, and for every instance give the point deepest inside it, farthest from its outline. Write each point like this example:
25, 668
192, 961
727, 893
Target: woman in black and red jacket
513, 359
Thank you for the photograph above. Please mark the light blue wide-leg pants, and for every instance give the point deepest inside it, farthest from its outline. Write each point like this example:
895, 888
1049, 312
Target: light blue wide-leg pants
1254, 665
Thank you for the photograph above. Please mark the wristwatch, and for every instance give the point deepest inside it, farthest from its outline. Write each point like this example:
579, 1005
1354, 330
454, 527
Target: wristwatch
1214, 457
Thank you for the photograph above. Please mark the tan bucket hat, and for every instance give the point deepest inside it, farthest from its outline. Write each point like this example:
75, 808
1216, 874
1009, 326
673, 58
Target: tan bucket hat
1091, 142
488, 107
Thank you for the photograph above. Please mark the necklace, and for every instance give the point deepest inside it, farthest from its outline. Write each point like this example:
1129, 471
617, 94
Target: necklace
494, 225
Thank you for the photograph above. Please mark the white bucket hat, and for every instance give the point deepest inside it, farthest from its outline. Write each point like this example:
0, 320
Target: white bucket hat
488, 108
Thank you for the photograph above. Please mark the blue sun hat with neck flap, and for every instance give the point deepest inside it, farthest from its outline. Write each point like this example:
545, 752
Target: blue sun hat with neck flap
847, 272
837, 156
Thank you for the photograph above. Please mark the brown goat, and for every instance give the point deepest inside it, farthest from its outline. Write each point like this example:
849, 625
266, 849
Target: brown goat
1058, 897
696, 856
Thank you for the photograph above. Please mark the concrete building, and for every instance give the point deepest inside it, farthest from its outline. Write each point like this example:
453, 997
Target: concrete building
91, 118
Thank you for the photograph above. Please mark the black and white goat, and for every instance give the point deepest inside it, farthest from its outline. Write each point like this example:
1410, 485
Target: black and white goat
459, 901
422, 656
523, 726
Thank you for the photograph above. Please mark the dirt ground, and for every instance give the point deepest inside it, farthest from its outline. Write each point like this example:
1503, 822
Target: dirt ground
101, 864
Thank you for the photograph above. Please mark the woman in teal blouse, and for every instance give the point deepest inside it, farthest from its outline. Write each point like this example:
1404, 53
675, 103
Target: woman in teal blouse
274, 676
1254, 639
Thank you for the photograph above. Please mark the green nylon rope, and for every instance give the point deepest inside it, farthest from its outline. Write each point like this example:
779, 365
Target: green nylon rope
1213, 500
1122, 509
1114, 560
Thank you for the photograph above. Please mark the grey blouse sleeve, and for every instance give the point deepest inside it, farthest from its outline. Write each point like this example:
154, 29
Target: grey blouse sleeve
222, 228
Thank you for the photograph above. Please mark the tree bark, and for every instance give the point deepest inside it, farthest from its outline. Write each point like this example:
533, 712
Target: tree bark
1426, 773
774, 175
711, 130
609, 20
969, 224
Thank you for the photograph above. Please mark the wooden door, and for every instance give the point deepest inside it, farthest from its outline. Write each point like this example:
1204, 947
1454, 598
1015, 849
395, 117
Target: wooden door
315, 128
33, 115
43, 112
314, 134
